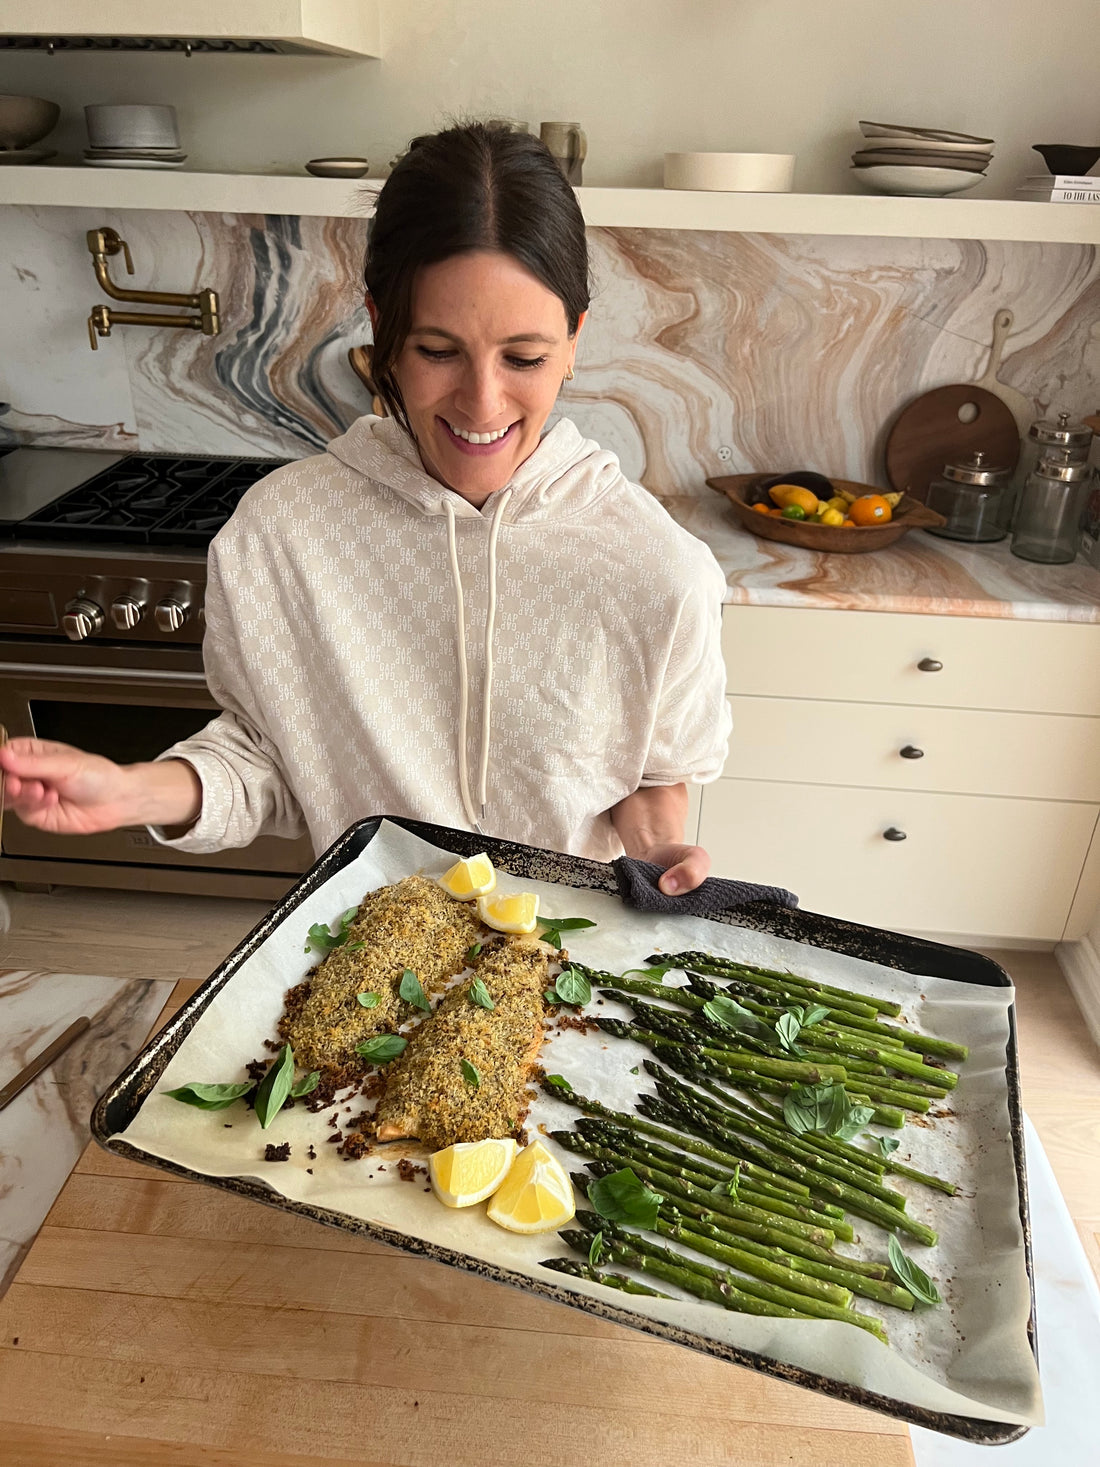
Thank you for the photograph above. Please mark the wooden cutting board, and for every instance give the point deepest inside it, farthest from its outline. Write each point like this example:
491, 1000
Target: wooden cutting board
930, 433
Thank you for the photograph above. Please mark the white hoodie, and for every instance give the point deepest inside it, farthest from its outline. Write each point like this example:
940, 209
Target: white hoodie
380, 646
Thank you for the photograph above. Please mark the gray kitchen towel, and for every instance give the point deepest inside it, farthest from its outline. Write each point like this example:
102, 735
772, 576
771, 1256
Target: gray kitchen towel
638, 888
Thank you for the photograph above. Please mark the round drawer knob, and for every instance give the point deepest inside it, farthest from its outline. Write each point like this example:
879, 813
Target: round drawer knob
893, 833
929, 664
911, 752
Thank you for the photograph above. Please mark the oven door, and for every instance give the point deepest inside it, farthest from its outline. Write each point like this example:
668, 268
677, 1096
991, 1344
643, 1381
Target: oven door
122, 707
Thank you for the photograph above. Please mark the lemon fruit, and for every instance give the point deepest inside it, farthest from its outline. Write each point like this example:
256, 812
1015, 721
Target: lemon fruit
517, 912
470, 1171
536, 1195
471, 878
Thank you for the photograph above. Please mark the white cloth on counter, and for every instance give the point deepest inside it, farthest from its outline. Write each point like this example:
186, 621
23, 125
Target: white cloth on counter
331, 644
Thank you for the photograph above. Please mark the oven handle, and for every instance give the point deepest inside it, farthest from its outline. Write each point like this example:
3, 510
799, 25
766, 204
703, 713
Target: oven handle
86, 674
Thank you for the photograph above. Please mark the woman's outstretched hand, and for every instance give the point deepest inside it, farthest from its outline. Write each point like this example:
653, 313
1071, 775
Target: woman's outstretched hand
65, 791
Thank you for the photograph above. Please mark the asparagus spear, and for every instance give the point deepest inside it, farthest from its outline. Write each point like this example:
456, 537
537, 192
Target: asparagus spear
853, 1199
692, 1282
762, 1268
758, 1064
753, 1288
670, 1185
578, 1270
694, 959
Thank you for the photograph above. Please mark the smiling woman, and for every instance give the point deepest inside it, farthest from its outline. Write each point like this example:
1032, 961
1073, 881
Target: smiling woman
456, 613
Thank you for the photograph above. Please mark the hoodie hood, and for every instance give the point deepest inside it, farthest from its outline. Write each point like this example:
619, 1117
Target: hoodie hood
565, 476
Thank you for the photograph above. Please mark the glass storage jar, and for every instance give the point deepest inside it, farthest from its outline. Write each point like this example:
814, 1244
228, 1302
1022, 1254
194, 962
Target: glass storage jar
1045, 437
970, 495
1048, 515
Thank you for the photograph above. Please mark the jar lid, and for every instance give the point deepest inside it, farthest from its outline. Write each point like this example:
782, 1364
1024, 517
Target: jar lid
974, 470
1062, 433
1062, 466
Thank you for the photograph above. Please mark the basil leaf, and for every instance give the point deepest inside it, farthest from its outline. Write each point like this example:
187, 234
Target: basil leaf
473, 950
888, 1144
368, 1000
595, 1250
858, 1117
729, 1012
656, 973
910, 1275
550, 996
621, 1197
275, 1087
324, 940
569, 924
412, 992
559, 1082
470, 1073
348, 917
728, 1188
382, 1048
479, 994
788, 1027
814, 1015
634, 1070
354, 947
210, 1097
573, 988
306, 1086
552, 937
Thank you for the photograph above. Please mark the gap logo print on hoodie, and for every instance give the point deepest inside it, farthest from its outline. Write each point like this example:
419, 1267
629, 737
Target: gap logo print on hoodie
381, 647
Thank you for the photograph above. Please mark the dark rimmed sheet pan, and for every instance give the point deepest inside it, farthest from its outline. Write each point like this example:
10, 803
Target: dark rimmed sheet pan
121, 1102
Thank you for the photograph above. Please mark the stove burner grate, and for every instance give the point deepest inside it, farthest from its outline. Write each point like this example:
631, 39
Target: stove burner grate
150, 501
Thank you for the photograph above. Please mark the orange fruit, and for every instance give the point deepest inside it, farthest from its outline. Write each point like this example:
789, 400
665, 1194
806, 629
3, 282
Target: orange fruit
776, 511
870, 509
761, 509
848, 525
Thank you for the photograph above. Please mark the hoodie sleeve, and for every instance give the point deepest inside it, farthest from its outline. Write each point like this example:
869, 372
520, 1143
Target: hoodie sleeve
245, 789
691, 730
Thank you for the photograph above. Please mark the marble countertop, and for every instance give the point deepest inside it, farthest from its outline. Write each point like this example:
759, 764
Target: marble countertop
918, 574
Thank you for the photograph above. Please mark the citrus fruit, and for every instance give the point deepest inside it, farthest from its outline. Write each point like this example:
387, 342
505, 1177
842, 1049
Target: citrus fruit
761, 508
793, 512
471, 878
517, 912
470, 1171
536, 1195
870, 509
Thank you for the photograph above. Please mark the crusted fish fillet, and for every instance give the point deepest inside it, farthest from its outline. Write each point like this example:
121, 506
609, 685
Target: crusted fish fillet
412, 924
427, 1095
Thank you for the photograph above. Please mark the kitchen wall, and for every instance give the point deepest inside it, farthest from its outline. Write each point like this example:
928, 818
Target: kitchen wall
787, 350
643, 76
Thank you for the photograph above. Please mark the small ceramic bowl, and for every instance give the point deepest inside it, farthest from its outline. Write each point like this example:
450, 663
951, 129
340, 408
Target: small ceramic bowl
765, 173
25, 121
1067, 158
337, 167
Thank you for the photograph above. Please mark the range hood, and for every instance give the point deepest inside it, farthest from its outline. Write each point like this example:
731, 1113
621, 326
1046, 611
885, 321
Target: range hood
193, 27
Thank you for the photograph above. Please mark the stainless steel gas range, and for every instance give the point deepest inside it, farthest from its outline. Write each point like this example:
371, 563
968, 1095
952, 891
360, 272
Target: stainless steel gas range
102, 579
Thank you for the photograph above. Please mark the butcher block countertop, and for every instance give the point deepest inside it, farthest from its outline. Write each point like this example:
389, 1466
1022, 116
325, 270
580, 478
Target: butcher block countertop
919, 574
157, 1322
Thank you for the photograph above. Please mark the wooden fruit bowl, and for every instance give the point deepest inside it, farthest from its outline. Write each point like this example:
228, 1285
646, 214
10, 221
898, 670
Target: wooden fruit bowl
909, 515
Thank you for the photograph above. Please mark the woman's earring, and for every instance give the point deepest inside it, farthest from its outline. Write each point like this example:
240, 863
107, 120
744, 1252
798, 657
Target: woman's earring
569, 374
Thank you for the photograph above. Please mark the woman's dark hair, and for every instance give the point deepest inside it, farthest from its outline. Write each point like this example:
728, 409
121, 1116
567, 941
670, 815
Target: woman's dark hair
476, 186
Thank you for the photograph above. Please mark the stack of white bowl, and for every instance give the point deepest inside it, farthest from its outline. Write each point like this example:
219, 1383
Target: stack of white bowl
132, 135
925, 161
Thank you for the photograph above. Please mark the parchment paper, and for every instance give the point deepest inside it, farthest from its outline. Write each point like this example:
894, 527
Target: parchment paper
969, 1356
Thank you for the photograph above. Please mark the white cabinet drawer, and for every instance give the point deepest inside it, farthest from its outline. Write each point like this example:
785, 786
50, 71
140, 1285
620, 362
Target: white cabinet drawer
875, 657
972, 865
962, 751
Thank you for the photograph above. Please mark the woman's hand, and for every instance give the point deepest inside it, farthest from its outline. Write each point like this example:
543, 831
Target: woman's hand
650, 824
64, 791
686, 867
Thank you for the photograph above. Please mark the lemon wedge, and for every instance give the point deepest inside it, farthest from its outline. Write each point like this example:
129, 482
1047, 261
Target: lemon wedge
470, 1171
536, 1195
471, 878
518, 912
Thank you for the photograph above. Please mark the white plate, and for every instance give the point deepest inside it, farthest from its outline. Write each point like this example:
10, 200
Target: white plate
915, 144
15, 156
926, 183
130, 163
934, 134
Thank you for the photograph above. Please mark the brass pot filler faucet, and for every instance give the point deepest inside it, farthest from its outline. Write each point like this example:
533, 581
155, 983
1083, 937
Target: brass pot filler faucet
201, 307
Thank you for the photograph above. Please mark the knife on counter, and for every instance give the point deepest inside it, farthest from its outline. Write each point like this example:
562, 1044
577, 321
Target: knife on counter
41, 1061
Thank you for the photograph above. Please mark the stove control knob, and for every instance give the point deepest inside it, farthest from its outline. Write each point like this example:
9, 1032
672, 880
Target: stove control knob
170, 614
81, 618
126, 612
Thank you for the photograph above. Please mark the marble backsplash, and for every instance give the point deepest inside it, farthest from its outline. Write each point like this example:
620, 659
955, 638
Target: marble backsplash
782, 349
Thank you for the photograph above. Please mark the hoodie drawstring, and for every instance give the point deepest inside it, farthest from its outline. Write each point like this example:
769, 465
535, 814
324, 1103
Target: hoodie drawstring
475, 813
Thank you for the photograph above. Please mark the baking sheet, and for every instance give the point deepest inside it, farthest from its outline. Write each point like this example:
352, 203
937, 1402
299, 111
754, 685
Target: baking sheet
969, 1357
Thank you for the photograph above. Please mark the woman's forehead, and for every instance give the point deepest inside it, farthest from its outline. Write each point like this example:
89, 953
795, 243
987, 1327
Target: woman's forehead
486, 293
